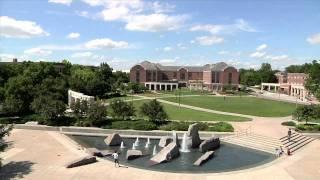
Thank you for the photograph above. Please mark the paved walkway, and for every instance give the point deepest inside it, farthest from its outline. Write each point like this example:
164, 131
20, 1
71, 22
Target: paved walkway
259, 125
42, 155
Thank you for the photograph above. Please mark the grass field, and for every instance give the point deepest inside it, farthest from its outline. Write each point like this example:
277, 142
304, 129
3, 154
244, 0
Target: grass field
185, 114
128, 98
244, 105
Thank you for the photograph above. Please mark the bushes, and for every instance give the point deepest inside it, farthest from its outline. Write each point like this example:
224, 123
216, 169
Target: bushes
221, 127
288, 123
308, 127
183, 126
173, 125
135, 125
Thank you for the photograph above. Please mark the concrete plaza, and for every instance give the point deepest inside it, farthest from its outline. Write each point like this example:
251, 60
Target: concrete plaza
42, 155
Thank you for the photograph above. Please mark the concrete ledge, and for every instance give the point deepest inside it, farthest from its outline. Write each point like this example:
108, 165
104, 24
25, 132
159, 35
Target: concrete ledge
36, 127
92, 131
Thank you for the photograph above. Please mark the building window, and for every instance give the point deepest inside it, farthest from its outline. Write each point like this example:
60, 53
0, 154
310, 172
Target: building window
148, 76
230, 78
138, 76
213, 80
175, 75
164, 76
182, 76
154, 76
189, 75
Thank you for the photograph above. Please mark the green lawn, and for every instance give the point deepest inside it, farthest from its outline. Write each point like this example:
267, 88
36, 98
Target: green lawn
125, 98
185, 114
244, 105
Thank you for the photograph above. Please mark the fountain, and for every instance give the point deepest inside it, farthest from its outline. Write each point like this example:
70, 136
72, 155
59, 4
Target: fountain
122, 145
154, 150
184, 145
136, 143
148, 143
133, 146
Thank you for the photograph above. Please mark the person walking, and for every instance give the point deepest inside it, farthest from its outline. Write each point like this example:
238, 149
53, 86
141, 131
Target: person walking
115, 156
289, 134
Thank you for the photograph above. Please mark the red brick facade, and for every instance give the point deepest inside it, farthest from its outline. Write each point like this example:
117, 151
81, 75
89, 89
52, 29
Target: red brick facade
211, 76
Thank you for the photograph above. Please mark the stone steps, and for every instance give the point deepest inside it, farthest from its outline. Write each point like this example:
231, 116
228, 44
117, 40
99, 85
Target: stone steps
297, 141
255, 141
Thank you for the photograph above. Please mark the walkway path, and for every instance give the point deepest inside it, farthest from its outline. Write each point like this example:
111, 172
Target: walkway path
42, 155
267, 126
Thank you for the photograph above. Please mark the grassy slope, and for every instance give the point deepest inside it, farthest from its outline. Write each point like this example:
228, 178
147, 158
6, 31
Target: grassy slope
185, 114
245, 105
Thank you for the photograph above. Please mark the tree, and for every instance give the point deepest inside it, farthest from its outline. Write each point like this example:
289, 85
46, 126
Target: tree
313, 81
249, 77
83, 107
75, 107
4, 131
121, 109
12, 105
266, 73
50, 108
135, 87
307, 113
154, 111
97, 113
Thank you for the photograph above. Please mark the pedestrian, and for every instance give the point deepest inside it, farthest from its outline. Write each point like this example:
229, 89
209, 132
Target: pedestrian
115, 156
277, 152
281, 150
224, 97
289, 134
288, 152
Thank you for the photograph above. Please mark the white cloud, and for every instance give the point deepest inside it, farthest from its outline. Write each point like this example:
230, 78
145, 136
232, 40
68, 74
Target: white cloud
167, 49
81, 54
181, 46
244, 26
38, 52
73, 35
134, 4
209, 40
12, 28
105, 43
64, 2
223, 52
162, 7
283, 57
238, 25
214, 29
6, 57
117, 13
155, 22
261, 47
314, 39
139, 15
257, 54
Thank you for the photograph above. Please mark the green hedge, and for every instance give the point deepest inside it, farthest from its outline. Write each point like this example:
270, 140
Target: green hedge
288, 123
221, 127
308, 127
135, 125
183, 126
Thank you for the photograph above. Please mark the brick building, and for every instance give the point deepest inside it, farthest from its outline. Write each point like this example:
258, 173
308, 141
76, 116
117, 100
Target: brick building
155, 76
291, 84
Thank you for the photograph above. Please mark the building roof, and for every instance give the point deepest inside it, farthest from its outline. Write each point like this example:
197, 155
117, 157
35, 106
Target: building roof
208, 67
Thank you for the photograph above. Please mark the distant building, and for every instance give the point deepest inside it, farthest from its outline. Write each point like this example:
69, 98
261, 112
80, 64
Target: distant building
291, 84
74, 96
155, 76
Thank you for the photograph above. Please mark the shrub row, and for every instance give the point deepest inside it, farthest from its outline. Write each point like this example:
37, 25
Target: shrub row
135, 125
308, 127
288, 123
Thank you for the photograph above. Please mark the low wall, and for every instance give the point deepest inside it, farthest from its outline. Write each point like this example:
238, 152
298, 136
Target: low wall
104, 132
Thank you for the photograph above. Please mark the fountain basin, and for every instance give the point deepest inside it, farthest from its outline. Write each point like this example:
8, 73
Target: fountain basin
228, 157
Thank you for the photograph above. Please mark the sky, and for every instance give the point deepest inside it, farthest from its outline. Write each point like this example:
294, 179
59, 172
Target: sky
243, 33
